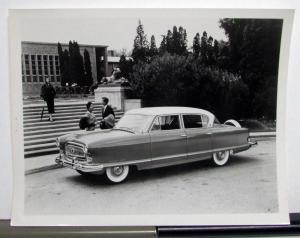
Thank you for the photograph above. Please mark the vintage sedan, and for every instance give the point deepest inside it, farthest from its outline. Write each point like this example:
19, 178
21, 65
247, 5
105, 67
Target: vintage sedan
147, 138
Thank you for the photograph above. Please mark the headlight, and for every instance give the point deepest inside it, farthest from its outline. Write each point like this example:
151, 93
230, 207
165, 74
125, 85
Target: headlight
57, 142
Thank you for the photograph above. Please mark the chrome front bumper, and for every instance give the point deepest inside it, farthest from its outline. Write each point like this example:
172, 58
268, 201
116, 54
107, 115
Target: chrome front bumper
77, 165
252, 143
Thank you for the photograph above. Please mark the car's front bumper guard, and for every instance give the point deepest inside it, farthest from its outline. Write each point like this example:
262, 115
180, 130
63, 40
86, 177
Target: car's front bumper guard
252, 143
78, 166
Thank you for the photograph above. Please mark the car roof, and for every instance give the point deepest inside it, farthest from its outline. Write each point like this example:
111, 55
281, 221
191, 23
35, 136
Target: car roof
168, 110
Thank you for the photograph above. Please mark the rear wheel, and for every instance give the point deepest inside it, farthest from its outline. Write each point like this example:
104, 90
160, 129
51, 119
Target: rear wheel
221, 158
117, 174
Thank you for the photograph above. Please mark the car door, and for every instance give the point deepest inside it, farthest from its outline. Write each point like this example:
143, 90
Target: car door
168, 140
199, 136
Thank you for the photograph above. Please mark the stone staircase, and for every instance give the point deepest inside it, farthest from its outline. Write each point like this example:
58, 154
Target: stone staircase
39, 136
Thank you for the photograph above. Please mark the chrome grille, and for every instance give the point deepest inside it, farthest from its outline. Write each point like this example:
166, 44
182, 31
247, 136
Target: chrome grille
74, 150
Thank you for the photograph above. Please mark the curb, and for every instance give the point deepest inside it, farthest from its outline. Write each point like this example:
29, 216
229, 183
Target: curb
42, 169
57, 166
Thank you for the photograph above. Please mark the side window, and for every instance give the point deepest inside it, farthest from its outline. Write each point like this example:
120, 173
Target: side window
194, 121
166, 123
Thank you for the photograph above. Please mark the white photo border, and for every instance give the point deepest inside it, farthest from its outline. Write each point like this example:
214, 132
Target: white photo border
21, 219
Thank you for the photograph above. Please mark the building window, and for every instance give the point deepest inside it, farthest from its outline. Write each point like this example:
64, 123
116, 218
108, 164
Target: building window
56, 65
40, 68
27, 69
51, 63
45, 59
33, 68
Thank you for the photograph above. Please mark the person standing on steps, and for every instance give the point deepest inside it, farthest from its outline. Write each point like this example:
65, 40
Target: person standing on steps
48, 94
108, 115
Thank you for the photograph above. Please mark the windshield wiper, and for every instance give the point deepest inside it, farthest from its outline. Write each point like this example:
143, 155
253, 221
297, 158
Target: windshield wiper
123, 128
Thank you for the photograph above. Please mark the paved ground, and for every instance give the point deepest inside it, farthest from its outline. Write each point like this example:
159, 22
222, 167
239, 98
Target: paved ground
246, 185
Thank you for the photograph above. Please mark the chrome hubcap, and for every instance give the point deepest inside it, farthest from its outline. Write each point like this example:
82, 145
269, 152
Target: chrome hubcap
221, 155
118, 170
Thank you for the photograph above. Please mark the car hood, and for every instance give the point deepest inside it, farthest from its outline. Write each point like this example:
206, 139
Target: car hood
91, 138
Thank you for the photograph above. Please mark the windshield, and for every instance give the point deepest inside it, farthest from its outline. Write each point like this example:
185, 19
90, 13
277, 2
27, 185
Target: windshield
133, 122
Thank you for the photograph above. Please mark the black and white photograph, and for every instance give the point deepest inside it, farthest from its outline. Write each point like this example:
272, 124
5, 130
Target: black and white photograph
149, 116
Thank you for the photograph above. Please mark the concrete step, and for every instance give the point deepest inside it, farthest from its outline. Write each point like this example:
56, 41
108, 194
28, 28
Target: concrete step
62, 110
40, 147
58, 105
45, 132
40, 141
29, 154
61, 118
65, 114
50, 126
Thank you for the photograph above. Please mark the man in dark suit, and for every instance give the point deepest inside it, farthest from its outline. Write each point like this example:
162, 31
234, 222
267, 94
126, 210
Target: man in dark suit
48, 94
108, 115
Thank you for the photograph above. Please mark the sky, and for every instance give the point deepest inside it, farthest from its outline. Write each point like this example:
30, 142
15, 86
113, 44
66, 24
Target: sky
115, 28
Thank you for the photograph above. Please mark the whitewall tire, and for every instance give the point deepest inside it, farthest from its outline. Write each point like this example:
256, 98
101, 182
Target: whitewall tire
221, 158
117, 174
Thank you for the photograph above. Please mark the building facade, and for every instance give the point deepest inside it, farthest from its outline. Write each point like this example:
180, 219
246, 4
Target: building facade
40, 60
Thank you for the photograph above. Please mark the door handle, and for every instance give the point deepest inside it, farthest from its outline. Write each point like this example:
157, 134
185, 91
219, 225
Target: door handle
208, 133
183, 135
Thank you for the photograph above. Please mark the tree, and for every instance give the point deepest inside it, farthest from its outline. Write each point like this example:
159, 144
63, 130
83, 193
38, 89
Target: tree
254, 46
65, 73
76, 64
63, 66
153, 49
175, 42
169, 42
210, 52
87, 69
196, 45
125, 66
203, 48
140, 46
163, 46
183, 41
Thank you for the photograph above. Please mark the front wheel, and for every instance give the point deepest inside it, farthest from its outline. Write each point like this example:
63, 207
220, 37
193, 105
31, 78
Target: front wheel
221, 158
117, 174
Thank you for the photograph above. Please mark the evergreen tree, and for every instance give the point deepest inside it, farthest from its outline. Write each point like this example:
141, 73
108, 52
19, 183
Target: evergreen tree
176, 42
153, 49
216, 50
183, 41
203, 48
76, 64
65, 73
125, 66
163, 46
140, 45
169, 42
87, 69
61, 63
210, 51
196, 45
